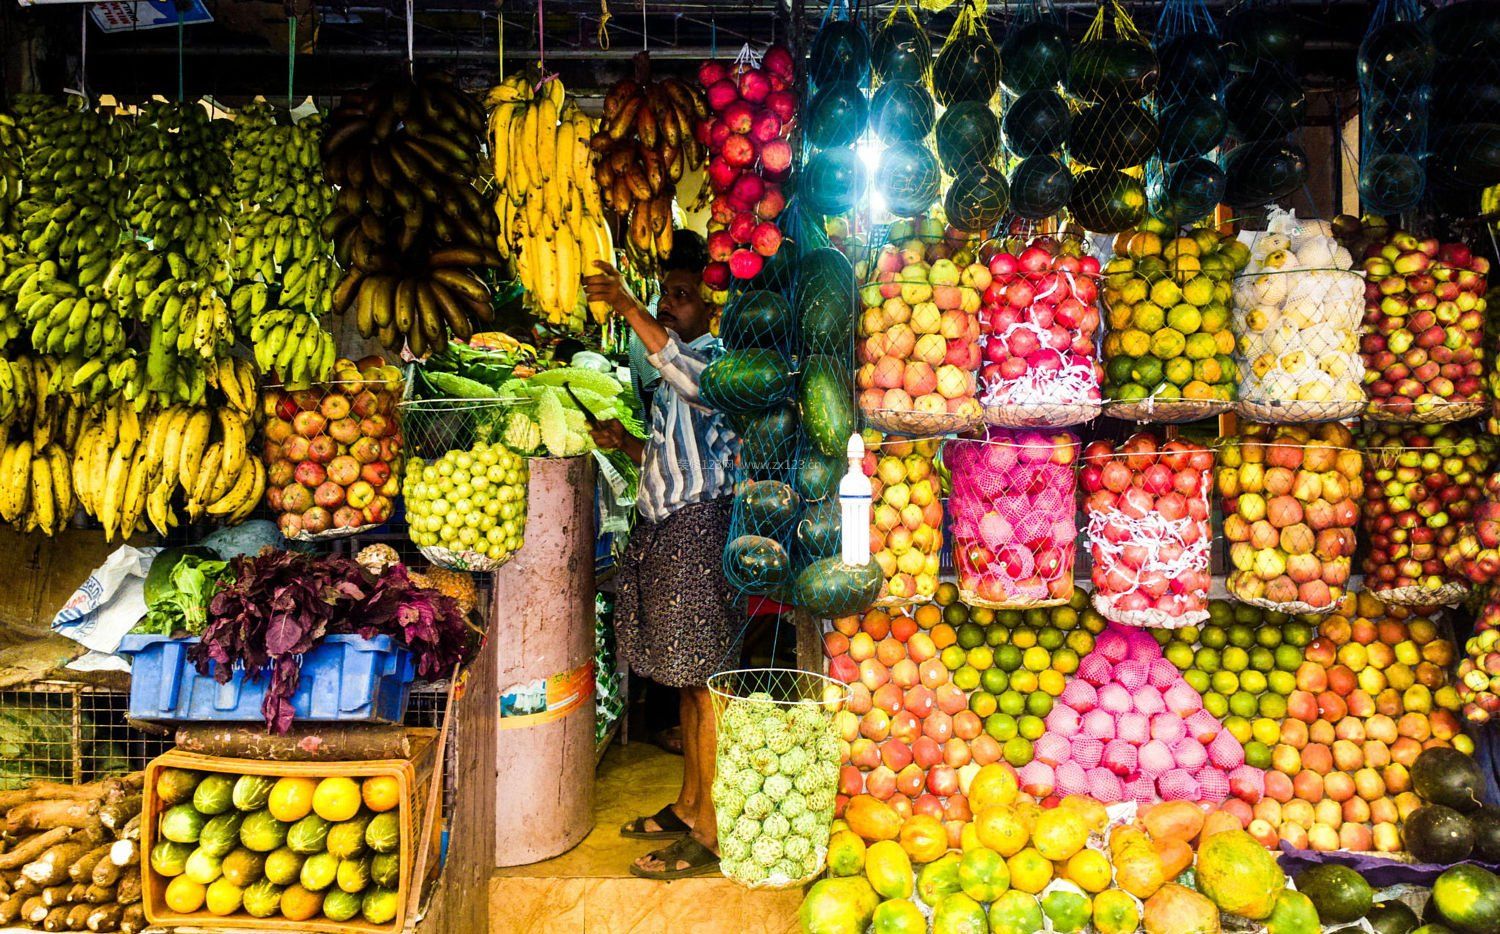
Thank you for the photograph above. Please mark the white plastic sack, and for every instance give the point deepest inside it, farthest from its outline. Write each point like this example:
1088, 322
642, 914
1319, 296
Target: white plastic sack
106, 607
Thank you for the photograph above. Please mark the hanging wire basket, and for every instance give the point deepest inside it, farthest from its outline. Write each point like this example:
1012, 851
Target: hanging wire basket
333, 454
1297, 412
1166, 411
1404, 414
1449, 594
778, 770
479, 521
1042, 414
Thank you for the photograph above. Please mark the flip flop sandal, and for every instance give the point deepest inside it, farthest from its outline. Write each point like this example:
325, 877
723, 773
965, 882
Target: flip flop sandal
700, 861
671, 826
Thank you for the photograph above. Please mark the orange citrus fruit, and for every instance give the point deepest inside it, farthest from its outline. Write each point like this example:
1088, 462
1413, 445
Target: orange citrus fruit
381, 793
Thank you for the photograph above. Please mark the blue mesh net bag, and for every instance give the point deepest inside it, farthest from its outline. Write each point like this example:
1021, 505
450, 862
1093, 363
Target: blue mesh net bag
1396, 62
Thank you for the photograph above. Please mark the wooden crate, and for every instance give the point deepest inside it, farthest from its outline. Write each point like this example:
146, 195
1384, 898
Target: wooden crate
415, 775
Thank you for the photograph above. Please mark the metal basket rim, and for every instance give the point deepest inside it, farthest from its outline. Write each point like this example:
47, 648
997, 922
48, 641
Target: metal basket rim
715, 689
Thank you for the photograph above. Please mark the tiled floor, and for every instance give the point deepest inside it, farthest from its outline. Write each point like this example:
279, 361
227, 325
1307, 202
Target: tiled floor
590, 889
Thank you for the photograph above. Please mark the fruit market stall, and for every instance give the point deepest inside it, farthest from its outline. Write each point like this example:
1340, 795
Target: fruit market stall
1114, 512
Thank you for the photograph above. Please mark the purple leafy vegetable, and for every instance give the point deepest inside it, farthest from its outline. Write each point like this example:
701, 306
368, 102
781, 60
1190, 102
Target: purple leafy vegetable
279, 604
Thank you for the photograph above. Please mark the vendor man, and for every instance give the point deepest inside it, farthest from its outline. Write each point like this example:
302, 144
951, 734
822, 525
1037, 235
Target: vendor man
674, 616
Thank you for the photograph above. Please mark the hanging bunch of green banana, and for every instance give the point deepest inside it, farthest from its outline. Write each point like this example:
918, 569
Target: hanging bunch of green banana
12, 143
410, 226
283, 266
294, 346
178, 169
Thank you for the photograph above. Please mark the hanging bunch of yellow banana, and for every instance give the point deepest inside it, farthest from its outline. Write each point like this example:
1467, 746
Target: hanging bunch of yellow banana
552, 223
127, 469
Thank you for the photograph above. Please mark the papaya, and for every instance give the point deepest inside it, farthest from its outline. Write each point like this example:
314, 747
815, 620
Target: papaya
1175, 855
898, 916
889, 869
838, 906
1138, 870
1218, 822
1176, 909
846, 854
872, 819
1294, 914
924, 838
1173, 820
1239, 874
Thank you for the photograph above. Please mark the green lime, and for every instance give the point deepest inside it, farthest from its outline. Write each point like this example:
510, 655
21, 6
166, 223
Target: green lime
996, 635
981, 657
1298, 634
1179, 654
982, 615
1094, 621
1038, 617
1000, 726
1216, 704
1221, 612
1013, 703
983, 703
1010, 619
1242, 704
1257, 754
1197, 680
1008, 657
1242, 636
1081, 641
1253, 681
1162, 636
1188, 634
955, 614
1065, 660
993, 680
1039, 703
1268, 636
1147, 370
1031, 727
1178, 371
1281, 682
970, 635
1213, 637
1205, 659
1224, 682
1064, 617
953, 657
966, 678
1017, 751
1051, 638
1262, 659
1037, 659
1288, 656
1235, 658
1272, 706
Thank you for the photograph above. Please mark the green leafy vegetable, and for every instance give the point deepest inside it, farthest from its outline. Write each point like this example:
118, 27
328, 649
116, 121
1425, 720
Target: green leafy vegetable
183, 605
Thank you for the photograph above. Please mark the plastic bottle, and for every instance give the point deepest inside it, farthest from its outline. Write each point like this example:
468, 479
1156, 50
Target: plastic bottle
854, 506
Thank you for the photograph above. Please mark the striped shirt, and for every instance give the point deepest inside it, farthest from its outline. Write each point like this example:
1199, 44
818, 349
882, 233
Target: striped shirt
691, 448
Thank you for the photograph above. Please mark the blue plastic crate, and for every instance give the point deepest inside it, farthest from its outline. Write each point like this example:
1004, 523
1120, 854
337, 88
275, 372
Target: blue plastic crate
344, 678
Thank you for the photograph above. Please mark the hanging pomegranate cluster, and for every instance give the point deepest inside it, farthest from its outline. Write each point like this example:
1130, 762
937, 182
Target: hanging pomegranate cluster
752, 109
